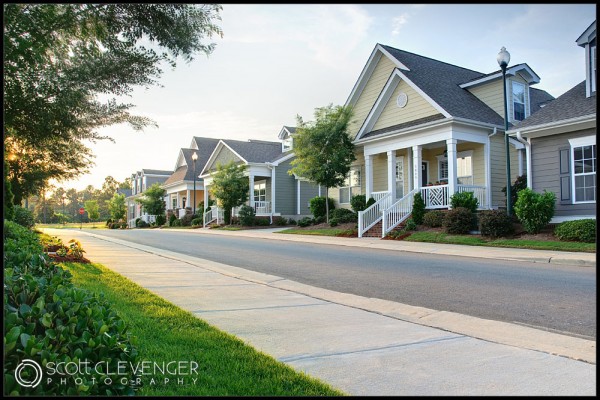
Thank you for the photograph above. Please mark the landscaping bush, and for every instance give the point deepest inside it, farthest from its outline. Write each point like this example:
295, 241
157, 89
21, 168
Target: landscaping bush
495, 223
418, 211
410, 225
582, 230
343, 215
197, 222
161, 219
358, 202
279, 221
246, 215
292, 221
304, 222
459, 220
434, 219
262, 221
515, 188
140, 223
123, 225
172, 219
333, 222
114, 225
317, 206
48, 320
535, 210
23, 217
177, 222
370, 202
464, 199
319, 220
108, 222
186, 220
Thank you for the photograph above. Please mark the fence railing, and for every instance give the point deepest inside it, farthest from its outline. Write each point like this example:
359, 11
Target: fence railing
372, 215
478, 191
215, 214
262, 207
435, 196
397, 212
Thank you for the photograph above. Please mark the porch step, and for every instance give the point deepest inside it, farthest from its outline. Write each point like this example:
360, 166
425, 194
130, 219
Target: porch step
374, 231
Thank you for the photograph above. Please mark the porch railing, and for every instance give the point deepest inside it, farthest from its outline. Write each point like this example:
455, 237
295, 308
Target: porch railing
214, 214
435, 196
397, 212
372, 215
262, 207
378, 195
478, 191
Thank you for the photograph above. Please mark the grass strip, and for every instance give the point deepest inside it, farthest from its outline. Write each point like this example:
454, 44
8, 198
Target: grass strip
165, 333
75, 225
318, 232
439, 237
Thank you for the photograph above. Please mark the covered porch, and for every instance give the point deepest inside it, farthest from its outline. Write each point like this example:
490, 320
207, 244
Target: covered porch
437, 169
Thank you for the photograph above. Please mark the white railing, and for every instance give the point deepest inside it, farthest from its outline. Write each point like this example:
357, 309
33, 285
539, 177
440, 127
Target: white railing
378, 195
214, 214
181, 213
435, 196
397, 212
262, 207
478, 191
150, 219
372, 215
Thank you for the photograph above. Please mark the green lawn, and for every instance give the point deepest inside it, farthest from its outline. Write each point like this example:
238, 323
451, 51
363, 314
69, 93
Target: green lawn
164, 332
75, 225
318, 232
438, 237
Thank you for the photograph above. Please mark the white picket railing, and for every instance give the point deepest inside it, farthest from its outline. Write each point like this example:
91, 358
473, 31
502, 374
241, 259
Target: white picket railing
262, 207
478, 191
378, 195
397, 212
435, 196
373, 214
214, 214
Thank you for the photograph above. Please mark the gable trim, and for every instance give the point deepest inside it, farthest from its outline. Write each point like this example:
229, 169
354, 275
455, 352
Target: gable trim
282, 159
534, 78
214, 154
385, 95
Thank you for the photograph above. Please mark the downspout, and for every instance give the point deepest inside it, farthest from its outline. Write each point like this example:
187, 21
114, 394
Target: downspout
273, 190
527, 145
493, 132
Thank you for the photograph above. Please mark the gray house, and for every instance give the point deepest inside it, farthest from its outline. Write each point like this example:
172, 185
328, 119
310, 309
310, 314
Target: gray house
560, 142
140, 181
272, 190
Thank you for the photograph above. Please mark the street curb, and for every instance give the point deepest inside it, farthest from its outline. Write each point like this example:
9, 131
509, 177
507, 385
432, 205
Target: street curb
493, 331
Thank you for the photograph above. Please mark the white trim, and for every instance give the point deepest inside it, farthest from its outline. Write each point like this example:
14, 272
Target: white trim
273, 191
214, 154
588, 35
573, 143
516, 144
284, 131
556, 127
582, 141
298, 196
364, 76
487, 167
511, 71
282, 159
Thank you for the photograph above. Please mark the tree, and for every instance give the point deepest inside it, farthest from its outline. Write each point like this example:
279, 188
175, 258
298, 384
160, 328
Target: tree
229, 187
65, 64
153, 202
91, 206
323, 148
117, 207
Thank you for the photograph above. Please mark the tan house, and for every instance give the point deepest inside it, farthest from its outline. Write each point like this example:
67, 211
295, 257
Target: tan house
140, 181
423, 125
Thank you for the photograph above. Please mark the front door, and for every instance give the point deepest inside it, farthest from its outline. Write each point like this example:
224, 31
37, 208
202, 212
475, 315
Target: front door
424, 173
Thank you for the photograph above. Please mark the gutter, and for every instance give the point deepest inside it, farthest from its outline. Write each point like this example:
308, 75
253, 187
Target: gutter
527, 145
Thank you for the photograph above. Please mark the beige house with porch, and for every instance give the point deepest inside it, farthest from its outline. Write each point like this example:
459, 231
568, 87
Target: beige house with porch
422, 125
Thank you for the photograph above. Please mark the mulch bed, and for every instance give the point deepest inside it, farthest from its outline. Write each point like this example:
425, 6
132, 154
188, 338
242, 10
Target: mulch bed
59, 259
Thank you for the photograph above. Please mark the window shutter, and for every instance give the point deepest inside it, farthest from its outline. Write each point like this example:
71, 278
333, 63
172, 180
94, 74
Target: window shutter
564, 160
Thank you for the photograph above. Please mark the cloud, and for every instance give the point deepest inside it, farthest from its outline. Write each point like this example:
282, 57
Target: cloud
398, 22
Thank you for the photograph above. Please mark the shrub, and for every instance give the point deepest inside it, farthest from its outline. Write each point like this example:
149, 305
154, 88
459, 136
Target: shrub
515, 188
459, 220
114, 225
535, 210
197, 222
358, 202
317, 206
410, 225
418, 211
464, 199
495, 223
582, 230
304, 222
319, 220
333, 222
139, 223
434, 218
262, 221
161, 219
172, 219
370, 202
177, 222
343, 215
279, 221
23, 217
108, 222
186, 220
246, 215
123, 225
292, 221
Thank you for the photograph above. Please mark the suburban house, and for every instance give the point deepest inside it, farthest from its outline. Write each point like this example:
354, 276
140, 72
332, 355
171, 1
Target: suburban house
272, 190
560, 143
140, 181
423, 125
179, 187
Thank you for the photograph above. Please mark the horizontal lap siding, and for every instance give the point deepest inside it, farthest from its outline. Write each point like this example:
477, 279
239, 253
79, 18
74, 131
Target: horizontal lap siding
285, 189
546, 171
224, 157
492, 94
308, 190
498, 168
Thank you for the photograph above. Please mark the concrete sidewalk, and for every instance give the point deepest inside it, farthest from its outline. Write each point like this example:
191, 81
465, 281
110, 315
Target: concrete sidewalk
363, 346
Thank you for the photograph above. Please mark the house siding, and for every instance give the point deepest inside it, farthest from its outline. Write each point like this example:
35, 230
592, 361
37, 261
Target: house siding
498, 168
308, 190
546, 172
224, 157
492, 95
285, 189
369, 95
416, 108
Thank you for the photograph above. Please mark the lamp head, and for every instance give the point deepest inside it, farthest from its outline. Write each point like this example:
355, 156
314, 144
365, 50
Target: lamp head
195, 156
503, 57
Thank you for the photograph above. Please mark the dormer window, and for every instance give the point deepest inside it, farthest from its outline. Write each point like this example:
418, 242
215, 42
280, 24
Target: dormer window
518, 96
288, 143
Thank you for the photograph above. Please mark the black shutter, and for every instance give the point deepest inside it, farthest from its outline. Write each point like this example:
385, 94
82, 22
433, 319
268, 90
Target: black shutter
564, 165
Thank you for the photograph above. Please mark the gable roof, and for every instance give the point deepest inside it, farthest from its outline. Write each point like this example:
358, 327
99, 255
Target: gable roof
183, 173
146, 171
588, 35
572, 104
255, 151
286, 130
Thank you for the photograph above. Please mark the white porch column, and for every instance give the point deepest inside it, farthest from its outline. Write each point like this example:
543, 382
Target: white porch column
251, 196
178, 201
187, 197
488, 174
411, 183
417, 169
391, 158
205, 198
529, 168
320, 191
273, 190
368, 176
451, 147
298, 196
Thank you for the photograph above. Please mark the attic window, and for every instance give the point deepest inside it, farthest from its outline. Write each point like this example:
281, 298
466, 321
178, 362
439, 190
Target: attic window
518, 95
288, 143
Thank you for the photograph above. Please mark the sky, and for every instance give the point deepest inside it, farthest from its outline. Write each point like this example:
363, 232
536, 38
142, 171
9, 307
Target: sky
275, 62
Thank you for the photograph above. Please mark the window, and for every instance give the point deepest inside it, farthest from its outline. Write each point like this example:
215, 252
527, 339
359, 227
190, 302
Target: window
400, 178
584, 173
464, 168
288, 143
174, 203
518, 95
260, 191
351, 185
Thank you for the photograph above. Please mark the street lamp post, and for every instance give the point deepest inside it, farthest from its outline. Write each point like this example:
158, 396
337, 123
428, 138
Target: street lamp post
503, 60
194, 158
